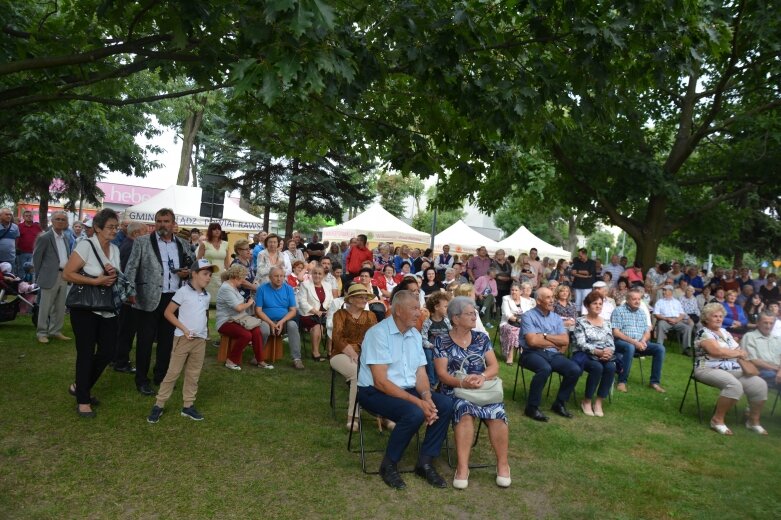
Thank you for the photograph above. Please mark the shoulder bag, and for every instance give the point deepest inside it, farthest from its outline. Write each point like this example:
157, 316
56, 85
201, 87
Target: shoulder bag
491, 392
91, 297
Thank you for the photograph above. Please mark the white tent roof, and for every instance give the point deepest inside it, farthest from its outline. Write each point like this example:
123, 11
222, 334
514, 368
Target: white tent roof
463, 239
186, 203
379, 226
523, 240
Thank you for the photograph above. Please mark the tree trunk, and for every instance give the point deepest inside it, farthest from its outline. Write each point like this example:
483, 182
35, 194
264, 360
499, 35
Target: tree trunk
43, 207
572, 234
267, 193
189, 132
738, 259
194, 164
292, 197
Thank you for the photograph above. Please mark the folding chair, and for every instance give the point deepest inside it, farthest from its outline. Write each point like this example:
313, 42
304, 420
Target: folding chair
332, 400
449, 450
357, 416
697, 395
775, 402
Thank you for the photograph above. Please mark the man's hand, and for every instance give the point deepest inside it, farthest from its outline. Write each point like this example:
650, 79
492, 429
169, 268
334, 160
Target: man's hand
278, 328
429, 409
640, 345
183, 273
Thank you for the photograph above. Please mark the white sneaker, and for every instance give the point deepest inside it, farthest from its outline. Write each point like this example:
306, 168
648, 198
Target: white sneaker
230, 364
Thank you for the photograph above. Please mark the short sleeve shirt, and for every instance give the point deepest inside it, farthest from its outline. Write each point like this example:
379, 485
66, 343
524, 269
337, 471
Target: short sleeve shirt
275, 302
193, 310
385, 344
534, 321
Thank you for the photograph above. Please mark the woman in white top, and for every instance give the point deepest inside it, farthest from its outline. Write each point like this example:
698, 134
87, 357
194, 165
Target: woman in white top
527, 302
718, 360
270, 257
93, 328
291, 254
509, 326
314, 299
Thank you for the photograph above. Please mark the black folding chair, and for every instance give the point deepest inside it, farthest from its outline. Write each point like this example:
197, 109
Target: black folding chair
357, 416
450, 449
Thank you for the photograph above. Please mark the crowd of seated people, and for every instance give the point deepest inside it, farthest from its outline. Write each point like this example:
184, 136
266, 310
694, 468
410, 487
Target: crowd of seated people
554, 315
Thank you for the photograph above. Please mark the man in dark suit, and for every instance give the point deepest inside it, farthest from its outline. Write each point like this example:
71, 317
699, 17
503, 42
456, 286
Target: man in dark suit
127, 325
50, 254
158, 265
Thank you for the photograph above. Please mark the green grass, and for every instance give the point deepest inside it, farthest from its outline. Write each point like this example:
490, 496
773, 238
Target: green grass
269, 448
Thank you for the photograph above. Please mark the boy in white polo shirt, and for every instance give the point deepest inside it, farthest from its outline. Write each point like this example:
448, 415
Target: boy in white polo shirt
189, 347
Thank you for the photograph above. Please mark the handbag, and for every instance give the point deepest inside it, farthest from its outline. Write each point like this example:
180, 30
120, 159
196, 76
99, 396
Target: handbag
491, 392
91, 297
247, 321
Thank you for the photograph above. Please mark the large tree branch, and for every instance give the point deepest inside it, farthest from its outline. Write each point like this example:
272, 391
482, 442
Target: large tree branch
47, 62
726, 76
709, 205
754, 111
109, 101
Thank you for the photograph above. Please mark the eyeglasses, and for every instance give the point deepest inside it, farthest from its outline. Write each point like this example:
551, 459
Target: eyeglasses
472, 314
111, 228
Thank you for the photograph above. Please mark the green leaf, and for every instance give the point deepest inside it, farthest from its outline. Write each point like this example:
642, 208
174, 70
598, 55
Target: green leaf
326, 13
270, 90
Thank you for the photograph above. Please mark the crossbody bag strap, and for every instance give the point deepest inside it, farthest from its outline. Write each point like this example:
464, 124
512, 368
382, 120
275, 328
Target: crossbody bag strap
94, 250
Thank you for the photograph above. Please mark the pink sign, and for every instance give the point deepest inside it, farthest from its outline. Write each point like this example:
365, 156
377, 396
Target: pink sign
126, 194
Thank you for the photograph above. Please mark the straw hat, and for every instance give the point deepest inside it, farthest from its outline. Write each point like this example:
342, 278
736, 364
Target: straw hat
357, 289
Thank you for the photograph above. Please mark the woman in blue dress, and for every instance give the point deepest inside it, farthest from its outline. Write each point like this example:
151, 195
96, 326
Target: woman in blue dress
449, 352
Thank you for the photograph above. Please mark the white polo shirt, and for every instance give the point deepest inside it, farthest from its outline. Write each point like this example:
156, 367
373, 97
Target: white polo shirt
193, 309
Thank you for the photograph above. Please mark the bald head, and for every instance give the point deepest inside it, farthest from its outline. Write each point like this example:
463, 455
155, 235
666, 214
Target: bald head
545, 300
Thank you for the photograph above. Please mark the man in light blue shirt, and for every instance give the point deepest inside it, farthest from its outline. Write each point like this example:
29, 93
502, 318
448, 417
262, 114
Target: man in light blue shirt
392, 383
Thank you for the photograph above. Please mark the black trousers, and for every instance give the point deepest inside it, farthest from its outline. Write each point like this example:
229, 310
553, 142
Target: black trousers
151, 326
125, 336
90, 331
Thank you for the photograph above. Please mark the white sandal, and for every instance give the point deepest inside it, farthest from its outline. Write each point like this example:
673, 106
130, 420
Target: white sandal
756, 428
721, 429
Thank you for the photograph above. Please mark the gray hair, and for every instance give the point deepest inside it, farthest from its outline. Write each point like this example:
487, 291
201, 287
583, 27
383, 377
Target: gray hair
403, 298
525, 285
449, 270
59, 212
457, 305
767, 313
711, 309
135, 227
275, 268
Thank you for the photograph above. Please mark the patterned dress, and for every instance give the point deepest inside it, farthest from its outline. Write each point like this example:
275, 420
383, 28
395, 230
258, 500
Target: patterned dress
445, 347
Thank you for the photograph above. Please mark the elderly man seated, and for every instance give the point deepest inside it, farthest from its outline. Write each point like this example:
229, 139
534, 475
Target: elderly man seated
392, 382
275, 305
764, 350
608, 304
544, 342
632, 335
670, 315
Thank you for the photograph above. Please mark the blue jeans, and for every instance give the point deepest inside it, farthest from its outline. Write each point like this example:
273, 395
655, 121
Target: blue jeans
432, 374
21, 259
600, 373
628, 351
408, 418
769, 376
542, 363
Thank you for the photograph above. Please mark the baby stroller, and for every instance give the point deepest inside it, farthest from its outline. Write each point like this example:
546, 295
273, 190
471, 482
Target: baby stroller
11, 301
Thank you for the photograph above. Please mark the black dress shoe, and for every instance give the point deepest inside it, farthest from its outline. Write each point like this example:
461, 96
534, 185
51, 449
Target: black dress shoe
561, 410
428, 472
145, 389
536, 414
125, 369
390, 475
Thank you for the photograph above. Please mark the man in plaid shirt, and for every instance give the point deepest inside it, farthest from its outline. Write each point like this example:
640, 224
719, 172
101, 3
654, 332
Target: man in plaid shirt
632, 333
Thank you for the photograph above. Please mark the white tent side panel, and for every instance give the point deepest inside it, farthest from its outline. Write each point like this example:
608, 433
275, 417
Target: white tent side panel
523, 240
379, 226
463, 239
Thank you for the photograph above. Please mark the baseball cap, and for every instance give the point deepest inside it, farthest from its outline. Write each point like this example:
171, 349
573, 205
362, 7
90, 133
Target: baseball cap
88, 223
599, 284
668, 287
204, 264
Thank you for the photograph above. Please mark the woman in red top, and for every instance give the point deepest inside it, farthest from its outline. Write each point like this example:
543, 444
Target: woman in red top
635, 274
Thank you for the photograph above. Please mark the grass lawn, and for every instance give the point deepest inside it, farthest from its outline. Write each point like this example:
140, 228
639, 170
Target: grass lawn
269, 448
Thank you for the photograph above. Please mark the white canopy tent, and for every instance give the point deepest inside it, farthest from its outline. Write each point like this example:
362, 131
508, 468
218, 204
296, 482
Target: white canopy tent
379, 226
463, 239
185, 201
523, 240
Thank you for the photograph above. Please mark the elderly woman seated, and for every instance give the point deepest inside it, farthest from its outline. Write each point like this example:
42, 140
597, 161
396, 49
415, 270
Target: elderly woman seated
720, 362
349, 327
231, 311
595, 348
464, 347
